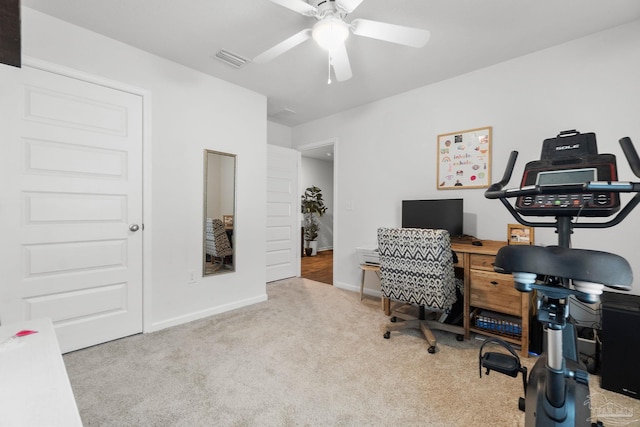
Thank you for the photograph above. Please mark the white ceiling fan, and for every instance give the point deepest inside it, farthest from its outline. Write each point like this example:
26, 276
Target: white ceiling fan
331, 31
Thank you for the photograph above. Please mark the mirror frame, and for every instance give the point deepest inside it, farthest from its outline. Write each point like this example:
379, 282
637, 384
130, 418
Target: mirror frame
232, 239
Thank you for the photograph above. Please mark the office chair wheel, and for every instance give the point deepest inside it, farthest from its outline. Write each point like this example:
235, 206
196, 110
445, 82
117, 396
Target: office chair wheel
387, 335
431, 349
459, 337
393, 319
521, 402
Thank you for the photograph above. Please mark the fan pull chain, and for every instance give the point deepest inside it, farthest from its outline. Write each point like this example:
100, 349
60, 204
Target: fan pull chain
329, 69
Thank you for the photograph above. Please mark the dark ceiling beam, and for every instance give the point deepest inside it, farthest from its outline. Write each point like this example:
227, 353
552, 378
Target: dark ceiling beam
10, 44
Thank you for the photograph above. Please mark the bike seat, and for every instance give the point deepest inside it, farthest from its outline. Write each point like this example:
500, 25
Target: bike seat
585, 265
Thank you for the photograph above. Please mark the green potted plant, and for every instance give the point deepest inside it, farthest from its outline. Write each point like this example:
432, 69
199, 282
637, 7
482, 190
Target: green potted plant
312, 207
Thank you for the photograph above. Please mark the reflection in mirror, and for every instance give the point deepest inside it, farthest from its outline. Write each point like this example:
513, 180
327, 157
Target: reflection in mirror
219, 212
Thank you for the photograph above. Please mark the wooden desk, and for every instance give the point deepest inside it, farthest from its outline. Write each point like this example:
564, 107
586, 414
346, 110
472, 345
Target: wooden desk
486, 289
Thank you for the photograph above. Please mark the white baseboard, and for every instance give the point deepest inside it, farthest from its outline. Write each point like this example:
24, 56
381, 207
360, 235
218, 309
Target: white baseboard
190, 317
356, 288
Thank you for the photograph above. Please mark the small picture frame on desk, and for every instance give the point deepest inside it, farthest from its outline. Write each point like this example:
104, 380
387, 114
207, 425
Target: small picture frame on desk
518, 234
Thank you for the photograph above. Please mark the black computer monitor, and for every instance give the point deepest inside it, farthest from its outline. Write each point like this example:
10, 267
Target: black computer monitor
446, 214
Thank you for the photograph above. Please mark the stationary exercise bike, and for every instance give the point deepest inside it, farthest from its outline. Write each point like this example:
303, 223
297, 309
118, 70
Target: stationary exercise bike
571, 180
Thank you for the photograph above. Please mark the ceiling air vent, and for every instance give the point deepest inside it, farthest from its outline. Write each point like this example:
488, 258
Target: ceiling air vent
231, 58
282, 113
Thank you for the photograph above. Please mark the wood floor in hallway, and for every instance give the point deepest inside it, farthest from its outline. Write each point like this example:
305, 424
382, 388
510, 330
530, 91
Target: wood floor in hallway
319, 267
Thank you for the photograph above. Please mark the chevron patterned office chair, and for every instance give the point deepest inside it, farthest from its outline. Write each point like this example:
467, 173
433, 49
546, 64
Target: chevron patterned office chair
416, 270
217, 243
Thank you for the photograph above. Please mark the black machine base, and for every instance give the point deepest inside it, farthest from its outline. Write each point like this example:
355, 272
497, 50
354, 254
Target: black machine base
575, 412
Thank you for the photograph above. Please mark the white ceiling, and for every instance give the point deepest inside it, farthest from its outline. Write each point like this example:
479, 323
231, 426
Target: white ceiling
465, 35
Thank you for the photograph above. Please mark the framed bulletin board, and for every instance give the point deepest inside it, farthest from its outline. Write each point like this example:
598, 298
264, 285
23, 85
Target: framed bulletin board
464, 159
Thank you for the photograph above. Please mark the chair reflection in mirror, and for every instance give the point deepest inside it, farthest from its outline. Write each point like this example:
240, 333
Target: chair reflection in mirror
217, 243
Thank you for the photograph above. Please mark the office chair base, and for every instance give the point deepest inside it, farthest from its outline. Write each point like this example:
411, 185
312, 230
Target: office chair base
412, 322
425, 322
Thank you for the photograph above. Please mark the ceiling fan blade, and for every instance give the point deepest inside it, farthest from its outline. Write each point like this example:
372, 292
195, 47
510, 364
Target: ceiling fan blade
340, 63
299, 6
399, 34
283, 46
348, 5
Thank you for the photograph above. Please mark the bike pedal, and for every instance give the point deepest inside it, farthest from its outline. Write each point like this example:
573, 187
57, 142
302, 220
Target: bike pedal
504, 363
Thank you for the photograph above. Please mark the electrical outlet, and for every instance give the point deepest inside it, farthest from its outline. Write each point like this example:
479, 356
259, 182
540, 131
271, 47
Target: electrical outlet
350, 205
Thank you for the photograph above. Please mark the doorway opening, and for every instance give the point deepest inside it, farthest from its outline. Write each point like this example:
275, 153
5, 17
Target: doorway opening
318, 169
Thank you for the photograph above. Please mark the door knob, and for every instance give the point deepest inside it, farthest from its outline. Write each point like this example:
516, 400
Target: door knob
134, 227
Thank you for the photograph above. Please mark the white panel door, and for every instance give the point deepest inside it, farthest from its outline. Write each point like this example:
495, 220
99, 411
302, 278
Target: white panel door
72, 194
283, 223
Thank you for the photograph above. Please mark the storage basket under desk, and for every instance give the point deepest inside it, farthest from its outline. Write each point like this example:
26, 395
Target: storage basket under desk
497, 324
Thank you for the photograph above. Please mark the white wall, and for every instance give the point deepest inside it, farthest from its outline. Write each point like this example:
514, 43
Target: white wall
190, 112
278, 134
387, 148
320, 173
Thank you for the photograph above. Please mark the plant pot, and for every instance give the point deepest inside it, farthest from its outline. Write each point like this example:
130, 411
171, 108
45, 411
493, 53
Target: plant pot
311, 247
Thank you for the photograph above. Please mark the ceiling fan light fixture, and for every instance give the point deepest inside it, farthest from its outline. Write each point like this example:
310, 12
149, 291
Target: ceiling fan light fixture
330, 33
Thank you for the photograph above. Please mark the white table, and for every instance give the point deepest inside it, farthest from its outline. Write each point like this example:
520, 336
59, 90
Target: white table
34, 386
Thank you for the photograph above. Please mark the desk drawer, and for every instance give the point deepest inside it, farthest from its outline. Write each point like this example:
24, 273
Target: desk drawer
482, 262
460, 263
495, 291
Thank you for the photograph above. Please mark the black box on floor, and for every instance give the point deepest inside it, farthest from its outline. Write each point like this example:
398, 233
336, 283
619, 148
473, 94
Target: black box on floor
620, 343
536, 336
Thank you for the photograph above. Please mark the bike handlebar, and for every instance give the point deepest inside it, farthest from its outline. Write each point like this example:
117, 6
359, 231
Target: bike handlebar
497, 190
631, 154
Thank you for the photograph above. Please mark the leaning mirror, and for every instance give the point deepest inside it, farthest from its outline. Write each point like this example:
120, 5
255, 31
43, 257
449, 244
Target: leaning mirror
219, 212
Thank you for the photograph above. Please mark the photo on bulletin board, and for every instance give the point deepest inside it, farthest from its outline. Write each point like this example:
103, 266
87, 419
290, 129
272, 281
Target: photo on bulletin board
518, 234
464, 159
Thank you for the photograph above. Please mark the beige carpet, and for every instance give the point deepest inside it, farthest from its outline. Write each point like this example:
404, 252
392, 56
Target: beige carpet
312, 355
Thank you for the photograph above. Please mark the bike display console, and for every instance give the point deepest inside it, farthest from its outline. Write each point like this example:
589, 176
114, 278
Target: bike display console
570, 159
